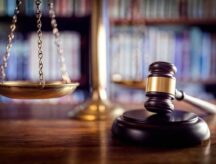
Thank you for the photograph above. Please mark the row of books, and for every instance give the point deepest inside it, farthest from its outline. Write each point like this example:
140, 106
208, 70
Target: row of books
162, 8
192, 50
62, 7
23, 60
127, 53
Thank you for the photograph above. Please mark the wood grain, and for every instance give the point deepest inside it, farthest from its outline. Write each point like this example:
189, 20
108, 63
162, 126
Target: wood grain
44, 134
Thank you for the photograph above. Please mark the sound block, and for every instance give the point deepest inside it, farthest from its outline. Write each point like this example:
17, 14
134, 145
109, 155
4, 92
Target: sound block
176, 129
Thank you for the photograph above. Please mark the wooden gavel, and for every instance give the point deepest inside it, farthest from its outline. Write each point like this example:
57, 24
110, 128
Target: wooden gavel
161, 90
166, 127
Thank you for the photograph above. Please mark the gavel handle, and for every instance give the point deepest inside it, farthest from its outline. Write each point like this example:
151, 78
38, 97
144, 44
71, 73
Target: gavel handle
203, 105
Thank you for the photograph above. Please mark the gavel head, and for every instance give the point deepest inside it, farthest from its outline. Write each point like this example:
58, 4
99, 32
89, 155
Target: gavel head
160, 88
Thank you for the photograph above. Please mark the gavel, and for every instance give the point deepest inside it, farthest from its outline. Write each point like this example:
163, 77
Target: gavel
163, 125
161, 90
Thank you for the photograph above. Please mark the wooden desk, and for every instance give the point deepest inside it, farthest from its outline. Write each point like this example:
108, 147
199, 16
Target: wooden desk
44, 134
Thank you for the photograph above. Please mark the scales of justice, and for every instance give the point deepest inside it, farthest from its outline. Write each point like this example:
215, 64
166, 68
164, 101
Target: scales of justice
98, 107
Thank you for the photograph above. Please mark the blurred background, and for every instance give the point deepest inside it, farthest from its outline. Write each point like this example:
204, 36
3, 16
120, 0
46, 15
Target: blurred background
177, 31
182, 32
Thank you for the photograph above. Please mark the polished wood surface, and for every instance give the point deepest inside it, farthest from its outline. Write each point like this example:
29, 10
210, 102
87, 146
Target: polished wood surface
44, 134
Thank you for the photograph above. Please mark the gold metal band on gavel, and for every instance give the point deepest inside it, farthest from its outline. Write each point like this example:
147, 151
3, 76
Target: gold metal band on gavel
161, 84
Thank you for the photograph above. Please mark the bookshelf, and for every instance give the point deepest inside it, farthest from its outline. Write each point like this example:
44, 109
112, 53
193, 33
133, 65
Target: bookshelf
73, 18
179, 31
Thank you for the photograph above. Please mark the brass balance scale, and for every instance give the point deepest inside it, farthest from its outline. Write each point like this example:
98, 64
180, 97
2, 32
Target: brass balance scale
41, 89
138, 82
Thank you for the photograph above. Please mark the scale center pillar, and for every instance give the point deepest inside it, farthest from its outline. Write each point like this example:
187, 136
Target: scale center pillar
98, 106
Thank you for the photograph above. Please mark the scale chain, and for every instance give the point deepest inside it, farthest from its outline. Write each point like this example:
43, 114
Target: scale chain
10, 40
40, 52
65, 75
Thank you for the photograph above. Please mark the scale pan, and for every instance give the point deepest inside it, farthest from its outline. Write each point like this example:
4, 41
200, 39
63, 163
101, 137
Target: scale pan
136, 84
33, 90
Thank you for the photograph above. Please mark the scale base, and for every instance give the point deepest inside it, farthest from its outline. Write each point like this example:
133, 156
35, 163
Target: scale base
177, 129
93, 110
